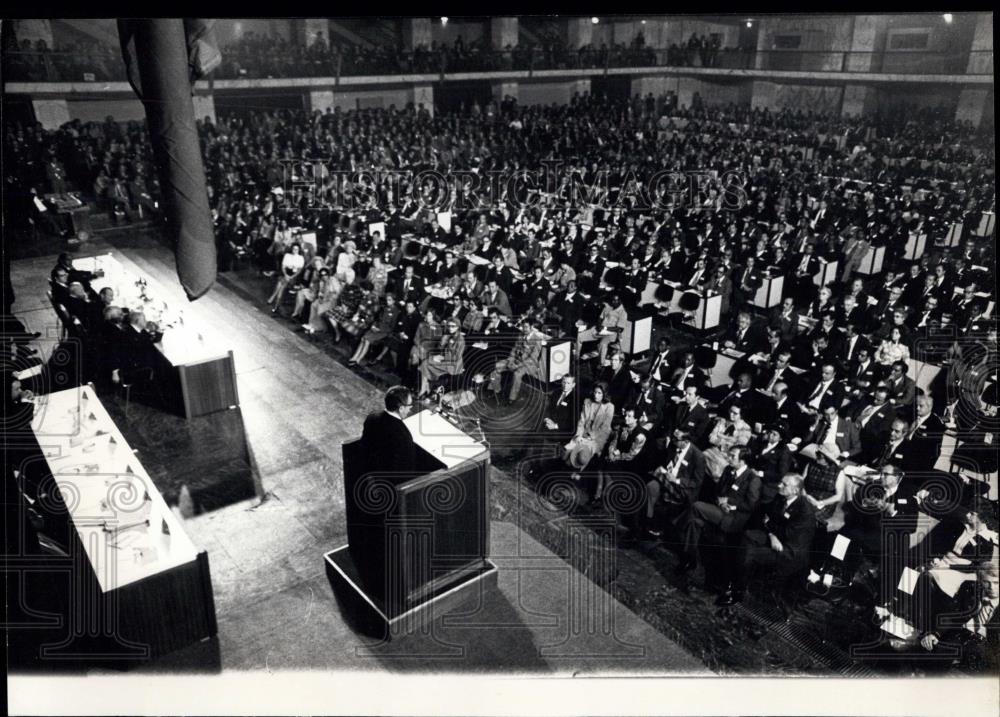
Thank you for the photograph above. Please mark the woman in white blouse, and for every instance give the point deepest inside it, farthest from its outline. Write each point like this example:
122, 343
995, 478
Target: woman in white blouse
893, 349
291, 266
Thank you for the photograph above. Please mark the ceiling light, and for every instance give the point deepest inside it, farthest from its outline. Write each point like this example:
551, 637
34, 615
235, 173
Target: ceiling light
948, 17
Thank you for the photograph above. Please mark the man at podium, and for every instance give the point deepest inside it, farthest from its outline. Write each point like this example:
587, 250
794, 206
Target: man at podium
387, 442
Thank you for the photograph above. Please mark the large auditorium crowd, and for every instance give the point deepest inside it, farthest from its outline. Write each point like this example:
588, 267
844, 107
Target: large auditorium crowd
815, 436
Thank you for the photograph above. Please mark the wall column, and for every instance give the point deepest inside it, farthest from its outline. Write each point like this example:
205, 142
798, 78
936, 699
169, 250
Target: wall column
858, 100
579, 32
503, 32
308, 29
424, 95
867, 38
504, 89
33, 30
204, 106
981, 57
972, 105
52, 114
416, 32
763, 94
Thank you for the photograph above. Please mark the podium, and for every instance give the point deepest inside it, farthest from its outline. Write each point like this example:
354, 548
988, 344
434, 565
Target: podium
708, 312
419, 546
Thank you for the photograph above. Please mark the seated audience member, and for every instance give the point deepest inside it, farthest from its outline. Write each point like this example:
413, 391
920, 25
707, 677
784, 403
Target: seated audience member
837, 435
613, 322
727, 508
902, 388
728, 432
525, 359
687, 374
824, 392
785, 319
779, 371
926, 433
862, 375
961, 580
626, 457
745, 336
874, 419
659, 363
769, 456
781, 548
896, 449
592, 430
379, 331
649, 403
893, 349
690, 415
562, 410
621, 381
292, 264
786, 411
676, 482
443, 360
888, 505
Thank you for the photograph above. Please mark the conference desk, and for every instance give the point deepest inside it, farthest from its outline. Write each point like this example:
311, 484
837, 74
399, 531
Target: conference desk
195, 371
987, 225
922, 373
134, 565
827, 272
770, 291
915, 246
705, 316
872, 261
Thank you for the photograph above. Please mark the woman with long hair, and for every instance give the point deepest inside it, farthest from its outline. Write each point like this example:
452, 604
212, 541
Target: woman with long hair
593, 430
291, 266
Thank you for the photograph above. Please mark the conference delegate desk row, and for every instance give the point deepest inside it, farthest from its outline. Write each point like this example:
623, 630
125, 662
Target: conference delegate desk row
141, 587
196, 373
419, 540
922, 373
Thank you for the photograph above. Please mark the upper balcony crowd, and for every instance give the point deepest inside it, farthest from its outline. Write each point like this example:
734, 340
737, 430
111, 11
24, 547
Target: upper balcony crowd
256, 56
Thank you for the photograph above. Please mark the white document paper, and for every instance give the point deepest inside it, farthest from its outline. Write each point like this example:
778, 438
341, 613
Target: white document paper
840, 546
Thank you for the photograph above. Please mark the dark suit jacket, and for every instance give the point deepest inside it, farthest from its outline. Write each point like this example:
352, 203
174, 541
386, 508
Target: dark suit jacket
742, 492
415, 292
621, 387
788, 327
794, 526
389, 447
876, 430
772, 465
693, 420
904, 393
564, 413
927, 441
847, 438
754, 340
690, 473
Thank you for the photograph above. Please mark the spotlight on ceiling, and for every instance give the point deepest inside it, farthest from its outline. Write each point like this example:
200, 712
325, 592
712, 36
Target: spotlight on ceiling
749, 23
643, 22
595, 20
948, 17
444, 21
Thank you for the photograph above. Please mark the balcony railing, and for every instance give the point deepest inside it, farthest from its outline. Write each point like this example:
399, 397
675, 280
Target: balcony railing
107, 65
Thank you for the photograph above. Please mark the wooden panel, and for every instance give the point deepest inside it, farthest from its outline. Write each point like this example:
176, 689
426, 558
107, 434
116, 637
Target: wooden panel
208, 387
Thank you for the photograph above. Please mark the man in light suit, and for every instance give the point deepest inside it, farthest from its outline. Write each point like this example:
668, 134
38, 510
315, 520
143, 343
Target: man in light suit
525, 359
